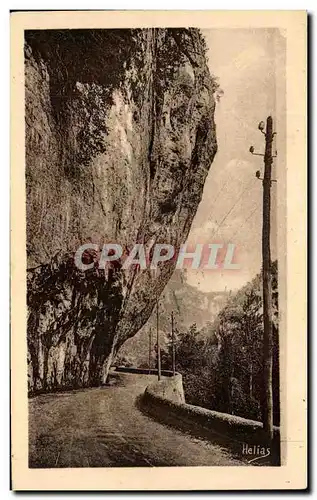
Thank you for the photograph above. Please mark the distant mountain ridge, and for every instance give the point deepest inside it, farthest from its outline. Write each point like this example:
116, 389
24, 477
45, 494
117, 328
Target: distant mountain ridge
189, 304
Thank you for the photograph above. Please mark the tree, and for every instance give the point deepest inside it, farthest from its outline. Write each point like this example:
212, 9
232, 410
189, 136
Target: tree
222, 363
239, 330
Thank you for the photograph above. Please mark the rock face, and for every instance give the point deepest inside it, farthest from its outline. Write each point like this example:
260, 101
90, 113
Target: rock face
120, 136
189, 304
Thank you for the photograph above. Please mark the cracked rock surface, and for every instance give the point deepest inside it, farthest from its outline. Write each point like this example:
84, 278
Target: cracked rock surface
120, 136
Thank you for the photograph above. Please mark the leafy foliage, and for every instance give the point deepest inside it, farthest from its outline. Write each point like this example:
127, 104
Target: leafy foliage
224, 371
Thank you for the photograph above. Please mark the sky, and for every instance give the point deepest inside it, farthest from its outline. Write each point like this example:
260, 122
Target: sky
246, 63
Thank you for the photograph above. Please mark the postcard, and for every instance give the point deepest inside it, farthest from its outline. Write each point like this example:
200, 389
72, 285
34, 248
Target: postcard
158, 250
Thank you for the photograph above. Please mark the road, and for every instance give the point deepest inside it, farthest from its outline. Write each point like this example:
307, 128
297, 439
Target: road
103, 427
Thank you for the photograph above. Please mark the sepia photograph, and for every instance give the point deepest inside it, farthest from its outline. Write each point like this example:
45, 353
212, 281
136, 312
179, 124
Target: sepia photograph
155, 275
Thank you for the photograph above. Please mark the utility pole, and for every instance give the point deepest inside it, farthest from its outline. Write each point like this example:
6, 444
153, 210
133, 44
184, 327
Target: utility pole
158, 342
267, 404
267, 286
173, 345
150, 348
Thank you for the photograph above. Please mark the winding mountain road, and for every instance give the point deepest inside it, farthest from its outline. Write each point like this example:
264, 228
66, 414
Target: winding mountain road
103, 427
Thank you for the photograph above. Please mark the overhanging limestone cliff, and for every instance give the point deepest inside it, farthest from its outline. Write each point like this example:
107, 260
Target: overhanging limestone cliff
120, 136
